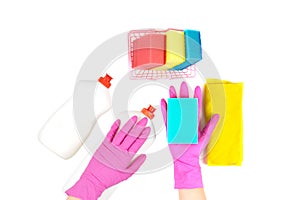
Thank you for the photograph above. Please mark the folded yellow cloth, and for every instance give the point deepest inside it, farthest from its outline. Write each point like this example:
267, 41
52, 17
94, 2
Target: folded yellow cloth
226, 143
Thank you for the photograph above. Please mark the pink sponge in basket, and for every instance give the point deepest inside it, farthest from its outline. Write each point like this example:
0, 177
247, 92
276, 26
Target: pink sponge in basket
149, 51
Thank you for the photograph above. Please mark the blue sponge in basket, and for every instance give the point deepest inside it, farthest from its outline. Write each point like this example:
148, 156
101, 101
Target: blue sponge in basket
193, 51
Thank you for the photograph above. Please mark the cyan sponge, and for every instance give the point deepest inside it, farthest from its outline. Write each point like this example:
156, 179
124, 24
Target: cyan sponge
182, 121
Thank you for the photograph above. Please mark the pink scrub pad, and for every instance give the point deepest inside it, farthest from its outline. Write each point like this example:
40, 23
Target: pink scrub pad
149, 51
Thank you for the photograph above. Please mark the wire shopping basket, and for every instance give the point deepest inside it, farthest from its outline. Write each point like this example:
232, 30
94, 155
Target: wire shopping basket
151, 42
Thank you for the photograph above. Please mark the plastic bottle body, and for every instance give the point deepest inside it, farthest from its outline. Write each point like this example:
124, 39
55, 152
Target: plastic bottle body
60, 133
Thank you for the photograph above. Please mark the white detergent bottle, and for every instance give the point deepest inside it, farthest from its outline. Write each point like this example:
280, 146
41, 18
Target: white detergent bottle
60, 133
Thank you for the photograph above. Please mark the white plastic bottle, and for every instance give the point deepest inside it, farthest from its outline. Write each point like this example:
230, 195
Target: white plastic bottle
60, 133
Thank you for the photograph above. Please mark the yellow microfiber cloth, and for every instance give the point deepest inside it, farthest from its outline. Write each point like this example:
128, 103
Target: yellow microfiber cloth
226, 144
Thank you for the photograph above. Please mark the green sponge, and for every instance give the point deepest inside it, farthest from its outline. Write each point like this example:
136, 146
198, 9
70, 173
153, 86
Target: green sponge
182, 121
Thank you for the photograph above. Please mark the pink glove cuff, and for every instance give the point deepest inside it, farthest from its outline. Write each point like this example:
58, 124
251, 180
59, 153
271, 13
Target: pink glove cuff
188, 175
87, 187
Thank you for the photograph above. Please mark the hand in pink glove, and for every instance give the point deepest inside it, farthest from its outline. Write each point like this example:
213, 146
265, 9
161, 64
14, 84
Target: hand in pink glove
187, 171
112, 162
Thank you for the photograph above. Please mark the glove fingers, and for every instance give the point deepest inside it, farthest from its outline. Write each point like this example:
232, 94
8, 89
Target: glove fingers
138, 143
208, 130
184, 91
113, 130
197, 94
134, 133
172, 92
163, 107
124, 131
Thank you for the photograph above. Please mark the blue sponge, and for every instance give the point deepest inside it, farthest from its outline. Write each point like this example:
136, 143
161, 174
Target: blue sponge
193, 51
182, 121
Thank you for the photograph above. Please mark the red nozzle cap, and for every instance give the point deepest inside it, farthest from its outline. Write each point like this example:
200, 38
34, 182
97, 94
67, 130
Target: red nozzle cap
105, 80
149, 111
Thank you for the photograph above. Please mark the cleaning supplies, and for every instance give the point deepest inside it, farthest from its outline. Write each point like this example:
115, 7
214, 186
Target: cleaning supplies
114, 161
149, 114
193, 51
175, 49
226, 144
149, 51
60, 133
182, 121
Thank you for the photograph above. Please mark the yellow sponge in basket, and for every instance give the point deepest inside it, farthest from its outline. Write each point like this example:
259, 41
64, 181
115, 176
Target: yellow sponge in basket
175, 49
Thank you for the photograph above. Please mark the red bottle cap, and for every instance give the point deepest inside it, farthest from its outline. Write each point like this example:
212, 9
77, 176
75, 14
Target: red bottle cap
105, 80
149, 111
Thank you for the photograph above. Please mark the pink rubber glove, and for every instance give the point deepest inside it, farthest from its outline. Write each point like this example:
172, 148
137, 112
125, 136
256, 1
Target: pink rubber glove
112, 162
187, 171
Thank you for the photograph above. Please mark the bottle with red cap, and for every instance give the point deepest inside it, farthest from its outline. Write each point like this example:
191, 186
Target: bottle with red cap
149, 112
60, 134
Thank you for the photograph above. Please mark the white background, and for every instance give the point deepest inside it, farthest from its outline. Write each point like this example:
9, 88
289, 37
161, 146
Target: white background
43, 45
